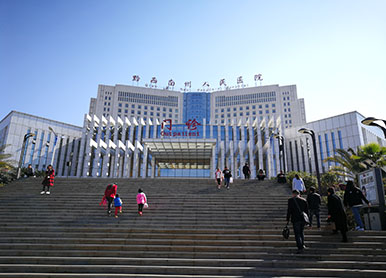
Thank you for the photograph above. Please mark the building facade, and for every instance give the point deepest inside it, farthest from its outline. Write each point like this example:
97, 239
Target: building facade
338, 132
134, 132
217, 107
52, 142
115, 147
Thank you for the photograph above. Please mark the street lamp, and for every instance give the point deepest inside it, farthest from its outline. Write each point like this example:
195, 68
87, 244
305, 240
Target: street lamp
370, 121
280, 139
26, 136
312, 133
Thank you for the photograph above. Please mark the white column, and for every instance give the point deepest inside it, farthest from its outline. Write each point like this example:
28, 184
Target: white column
68, 148
75, 156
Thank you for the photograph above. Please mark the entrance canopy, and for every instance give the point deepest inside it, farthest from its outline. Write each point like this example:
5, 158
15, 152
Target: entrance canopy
180, 149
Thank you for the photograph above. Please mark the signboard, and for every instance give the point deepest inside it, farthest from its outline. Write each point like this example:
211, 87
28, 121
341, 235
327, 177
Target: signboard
368, 185
192, 128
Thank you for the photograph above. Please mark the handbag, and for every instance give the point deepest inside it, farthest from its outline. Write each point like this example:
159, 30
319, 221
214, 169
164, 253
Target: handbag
303, 214
286, 232
145, 205
231, 180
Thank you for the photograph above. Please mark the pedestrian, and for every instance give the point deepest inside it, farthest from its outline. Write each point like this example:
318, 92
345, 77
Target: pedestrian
227, 177
110, 192
298, 184
296, 206
246, 171
48, 180
218, 176
314, 201
118, 205
141, 201
29, 171
261, 175
354, 198
281, 178
336, 213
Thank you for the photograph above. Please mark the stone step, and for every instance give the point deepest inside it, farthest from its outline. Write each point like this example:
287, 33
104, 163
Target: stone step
192, 270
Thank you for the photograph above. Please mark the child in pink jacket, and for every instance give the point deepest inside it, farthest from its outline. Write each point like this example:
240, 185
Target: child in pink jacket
141, 201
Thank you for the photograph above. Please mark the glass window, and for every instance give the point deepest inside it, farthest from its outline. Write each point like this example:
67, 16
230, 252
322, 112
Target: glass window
151, 113
151, 108
164, 109
170, 110
127, 105
260, 112
170, 115
119, 110
120, 104
266, 111
228, 110
222, 110
273, 110
247, 108
158, 109
260, 106
241, 108
273, 105
139, 107
145, 107
254, 113
254, 107
241, 113
145, 113
267, 105
132, 106
234, 115
234, 109
126, 111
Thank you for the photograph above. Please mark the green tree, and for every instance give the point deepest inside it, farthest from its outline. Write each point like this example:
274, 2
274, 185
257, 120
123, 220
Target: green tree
347, 166
373, 152
7, 170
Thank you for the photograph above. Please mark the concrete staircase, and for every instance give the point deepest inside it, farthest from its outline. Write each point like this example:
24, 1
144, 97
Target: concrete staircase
190, 230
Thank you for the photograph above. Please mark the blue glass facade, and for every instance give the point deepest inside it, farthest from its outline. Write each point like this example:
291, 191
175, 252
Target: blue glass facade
196, 106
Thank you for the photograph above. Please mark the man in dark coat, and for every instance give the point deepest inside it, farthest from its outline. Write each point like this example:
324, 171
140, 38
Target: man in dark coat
296, 206
336, 213
314, 201
246, 171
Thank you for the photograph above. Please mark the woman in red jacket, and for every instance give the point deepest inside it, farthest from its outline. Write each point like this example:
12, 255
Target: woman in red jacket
110, 192
48, 180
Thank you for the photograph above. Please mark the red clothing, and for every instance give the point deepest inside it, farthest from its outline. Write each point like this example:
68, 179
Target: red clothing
49, 178
117, 209
111, 191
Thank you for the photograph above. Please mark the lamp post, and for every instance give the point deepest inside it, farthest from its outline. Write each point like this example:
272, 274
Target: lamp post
370, 121
280, 139
312, 133
26, 136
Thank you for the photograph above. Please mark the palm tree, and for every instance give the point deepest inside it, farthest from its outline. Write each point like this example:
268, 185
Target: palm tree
347, 165
373, 152
352, 163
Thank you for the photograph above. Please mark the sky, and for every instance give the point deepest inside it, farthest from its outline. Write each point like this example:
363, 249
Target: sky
54, 53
